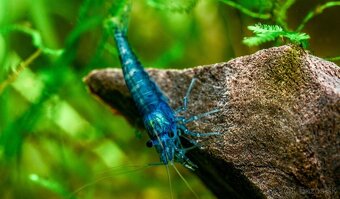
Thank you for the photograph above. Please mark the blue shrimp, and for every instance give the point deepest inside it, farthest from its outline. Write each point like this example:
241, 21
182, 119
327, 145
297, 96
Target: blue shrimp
163, 125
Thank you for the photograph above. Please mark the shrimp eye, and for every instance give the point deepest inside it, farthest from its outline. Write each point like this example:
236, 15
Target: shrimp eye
149, 143
171, 134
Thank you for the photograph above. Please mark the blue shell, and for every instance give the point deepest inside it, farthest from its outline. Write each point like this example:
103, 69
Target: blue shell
163, 126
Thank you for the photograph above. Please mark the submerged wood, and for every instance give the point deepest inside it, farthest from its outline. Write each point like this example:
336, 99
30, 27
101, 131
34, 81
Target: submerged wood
280, 120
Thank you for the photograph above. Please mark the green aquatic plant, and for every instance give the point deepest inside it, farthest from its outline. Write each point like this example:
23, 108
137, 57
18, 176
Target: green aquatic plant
318, 10
333, 58
273, 10
173, 5
276, 12
35, 35
51, 185
45, 108
256, 9
265, 33
11, 77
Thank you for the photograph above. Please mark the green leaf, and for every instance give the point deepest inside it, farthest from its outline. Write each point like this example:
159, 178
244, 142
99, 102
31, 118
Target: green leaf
50, 184
265, 33
297, 37
264, 28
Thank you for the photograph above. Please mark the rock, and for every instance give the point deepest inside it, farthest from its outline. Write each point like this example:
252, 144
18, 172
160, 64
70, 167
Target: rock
280, 120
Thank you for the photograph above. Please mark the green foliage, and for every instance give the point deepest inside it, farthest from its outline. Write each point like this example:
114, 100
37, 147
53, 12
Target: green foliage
247, 7
333, 58
265, 33
277, 12
54, 137
34, 34
319, 9
280, 12
120, 12
173, 5
261, 6
51, 185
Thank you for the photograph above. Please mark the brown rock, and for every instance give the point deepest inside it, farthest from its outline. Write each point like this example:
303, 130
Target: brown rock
280, 120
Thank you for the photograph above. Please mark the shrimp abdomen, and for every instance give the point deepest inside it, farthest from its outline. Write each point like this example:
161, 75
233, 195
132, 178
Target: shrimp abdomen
143, 90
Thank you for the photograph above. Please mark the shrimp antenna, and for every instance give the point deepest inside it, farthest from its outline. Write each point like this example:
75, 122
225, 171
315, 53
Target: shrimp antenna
120, 170
185, 181
166, 166
169, 179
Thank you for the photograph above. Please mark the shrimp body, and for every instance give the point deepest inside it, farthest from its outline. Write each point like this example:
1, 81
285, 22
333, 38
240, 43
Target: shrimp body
158, 117
144, 91
164, 127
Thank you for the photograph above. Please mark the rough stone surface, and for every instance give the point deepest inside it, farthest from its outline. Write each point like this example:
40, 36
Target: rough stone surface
280, 120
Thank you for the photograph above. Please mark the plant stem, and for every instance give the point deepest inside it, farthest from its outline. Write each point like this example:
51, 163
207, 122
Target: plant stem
333, 58
315, 12
281, 15
11, 78
246, 10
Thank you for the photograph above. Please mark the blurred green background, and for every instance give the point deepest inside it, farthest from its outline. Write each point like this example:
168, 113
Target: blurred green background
55, 138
